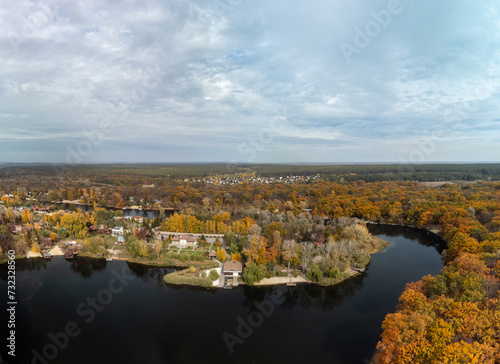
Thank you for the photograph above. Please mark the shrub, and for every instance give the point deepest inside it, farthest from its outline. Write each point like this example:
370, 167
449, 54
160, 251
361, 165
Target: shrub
295, 273
334, 273
249, 279
204, 274
254, 273
360, 260
342, 265
35, 248
192, 269
314, 273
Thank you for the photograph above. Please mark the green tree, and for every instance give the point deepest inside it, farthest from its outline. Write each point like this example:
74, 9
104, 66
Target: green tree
314, 273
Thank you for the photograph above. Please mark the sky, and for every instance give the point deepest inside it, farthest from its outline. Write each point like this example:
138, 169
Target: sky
249, 81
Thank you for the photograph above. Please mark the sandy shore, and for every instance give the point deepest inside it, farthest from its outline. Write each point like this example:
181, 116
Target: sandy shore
56, 251
281, 280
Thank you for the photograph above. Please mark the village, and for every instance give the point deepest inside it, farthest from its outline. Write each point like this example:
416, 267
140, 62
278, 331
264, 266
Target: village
205, 255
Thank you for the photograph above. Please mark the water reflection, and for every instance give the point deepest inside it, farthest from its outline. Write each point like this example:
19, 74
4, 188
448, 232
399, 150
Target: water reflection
423, 237
338, 324
150, 214
304, 295
87, 266
31, 264
149, 273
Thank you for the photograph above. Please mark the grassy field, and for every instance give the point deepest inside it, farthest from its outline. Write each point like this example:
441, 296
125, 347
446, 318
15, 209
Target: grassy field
184, 277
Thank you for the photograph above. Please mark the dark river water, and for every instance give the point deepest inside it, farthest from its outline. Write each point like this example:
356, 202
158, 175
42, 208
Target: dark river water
93, 311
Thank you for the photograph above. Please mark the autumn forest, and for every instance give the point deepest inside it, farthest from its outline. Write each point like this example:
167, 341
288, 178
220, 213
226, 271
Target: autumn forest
270, 219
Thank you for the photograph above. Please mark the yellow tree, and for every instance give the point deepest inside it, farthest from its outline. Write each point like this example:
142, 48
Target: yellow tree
26, 216
9, 215
259, 251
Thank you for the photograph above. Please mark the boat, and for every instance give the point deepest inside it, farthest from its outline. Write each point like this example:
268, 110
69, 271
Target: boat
68, 255
47, 255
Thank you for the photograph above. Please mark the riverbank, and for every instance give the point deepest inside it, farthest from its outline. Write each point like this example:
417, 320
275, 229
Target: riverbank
187, 277
434, 229
282, 280
193, 279
348, 314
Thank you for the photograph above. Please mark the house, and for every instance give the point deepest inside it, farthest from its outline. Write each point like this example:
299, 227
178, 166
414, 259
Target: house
212, 254
139, 219
104, 230
117, 231
232, 268
184, 240
47, 243
161, 235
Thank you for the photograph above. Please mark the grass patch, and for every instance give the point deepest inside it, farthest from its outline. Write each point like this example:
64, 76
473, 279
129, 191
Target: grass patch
185, 277
169, 262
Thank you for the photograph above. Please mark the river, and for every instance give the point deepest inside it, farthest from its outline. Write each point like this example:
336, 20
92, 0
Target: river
136, 318
150, 214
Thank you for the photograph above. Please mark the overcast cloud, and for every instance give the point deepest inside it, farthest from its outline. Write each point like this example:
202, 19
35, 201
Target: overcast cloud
249, 81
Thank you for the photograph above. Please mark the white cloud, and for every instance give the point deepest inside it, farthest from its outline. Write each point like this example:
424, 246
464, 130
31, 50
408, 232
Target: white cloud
222, 78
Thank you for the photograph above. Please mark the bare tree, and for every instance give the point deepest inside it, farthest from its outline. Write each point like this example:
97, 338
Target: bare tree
290, 249
307, 254
328, 252
254, 230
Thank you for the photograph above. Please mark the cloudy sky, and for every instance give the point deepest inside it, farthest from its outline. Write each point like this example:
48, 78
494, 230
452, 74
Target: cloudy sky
249, 81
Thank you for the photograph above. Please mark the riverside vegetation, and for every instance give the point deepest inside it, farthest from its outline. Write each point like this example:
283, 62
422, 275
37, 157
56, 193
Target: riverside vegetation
448, 318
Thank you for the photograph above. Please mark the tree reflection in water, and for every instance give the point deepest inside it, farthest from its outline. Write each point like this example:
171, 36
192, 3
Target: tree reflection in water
87, 266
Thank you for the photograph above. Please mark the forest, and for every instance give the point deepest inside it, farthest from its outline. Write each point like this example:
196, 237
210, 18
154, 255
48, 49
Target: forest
453, 317
124, 174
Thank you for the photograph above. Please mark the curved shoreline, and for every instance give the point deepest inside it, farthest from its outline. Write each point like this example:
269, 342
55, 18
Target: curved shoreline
348, 273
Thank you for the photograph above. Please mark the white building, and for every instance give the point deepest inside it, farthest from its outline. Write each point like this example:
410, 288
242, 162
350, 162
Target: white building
117, 231
184, 240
